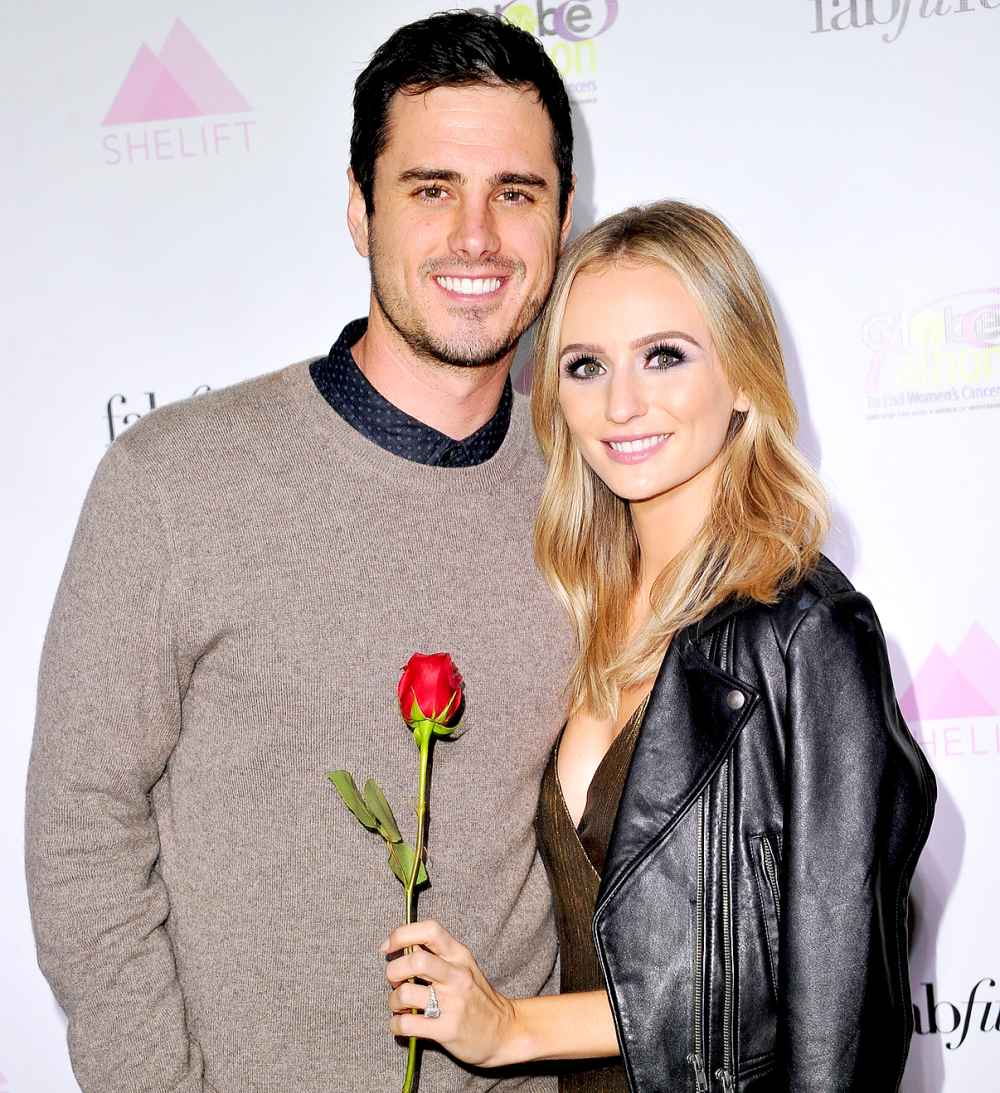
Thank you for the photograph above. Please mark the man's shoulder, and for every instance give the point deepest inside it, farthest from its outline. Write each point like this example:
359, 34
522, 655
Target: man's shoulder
220, 421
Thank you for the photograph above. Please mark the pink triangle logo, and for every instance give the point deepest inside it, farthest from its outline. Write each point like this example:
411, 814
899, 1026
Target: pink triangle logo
966, 685
182, 81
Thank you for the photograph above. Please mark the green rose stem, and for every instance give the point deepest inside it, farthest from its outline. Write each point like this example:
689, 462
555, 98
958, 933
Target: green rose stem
439, 683
423, 734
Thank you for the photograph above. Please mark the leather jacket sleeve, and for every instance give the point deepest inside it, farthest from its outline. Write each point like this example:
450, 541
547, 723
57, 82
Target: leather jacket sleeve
858, 802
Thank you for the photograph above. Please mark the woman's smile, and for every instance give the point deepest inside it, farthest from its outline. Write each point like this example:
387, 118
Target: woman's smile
635, 449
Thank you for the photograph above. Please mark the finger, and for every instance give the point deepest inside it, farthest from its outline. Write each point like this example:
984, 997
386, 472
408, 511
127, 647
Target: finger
429, 934
415, 1024
419, 963
409, 996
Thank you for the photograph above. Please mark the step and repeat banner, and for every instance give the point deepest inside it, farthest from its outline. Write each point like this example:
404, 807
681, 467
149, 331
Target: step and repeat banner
175, 222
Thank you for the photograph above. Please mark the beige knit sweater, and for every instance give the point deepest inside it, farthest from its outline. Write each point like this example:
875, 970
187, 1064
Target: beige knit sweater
248, 576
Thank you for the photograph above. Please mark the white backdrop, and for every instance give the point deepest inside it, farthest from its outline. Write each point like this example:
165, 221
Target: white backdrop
198, 238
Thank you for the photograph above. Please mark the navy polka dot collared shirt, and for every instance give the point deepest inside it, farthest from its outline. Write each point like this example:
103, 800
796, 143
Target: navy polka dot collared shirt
344, 386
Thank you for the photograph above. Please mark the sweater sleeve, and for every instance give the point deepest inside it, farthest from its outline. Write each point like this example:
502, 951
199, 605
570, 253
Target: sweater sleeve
858, 806
108, 717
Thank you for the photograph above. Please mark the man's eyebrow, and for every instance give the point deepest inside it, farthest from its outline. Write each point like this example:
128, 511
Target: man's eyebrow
432, 174
443, 174
516, 178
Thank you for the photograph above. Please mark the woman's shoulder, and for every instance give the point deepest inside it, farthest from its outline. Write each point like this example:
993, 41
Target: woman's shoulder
817, 608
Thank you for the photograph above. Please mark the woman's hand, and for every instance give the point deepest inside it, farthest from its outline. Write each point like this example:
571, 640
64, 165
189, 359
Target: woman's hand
476, 1024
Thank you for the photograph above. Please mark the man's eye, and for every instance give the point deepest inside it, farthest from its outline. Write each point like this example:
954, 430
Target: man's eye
431, 193
515, 197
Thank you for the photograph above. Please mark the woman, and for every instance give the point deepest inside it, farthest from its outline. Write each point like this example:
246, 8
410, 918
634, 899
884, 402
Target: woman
733, 813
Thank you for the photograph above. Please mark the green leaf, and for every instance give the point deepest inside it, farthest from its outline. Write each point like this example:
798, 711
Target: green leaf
401, 862
343, 783
379, 808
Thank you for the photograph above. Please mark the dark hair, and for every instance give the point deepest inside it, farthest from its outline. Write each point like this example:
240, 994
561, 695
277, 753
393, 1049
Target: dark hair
452, 49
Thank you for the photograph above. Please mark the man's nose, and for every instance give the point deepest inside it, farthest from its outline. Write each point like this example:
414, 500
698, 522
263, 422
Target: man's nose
625, 396
474, 233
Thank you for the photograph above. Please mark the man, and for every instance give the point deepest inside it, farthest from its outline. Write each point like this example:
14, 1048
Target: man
252, 569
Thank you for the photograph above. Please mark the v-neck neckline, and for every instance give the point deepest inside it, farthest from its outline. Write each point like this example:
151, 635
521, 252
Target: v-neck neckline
631, 723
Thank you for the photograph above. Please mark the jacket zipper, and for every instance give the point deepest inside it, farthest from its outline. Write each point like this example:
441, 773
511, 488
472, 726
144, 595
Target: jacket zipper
697, 1057
700, 1077
728, 1086
770, 871
724, 1074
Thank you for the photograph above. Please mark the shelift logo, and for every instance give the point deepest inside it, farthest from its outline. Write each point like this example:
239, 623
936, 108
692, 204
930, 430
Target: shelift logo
957, 1021
953, 703
941, 358
180, 83
893, 14
121, 414
567, 31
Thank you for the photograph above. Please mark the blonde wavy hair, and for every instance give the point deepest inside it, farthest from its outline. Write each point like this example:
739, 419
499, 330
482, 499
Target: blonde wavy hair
769, 513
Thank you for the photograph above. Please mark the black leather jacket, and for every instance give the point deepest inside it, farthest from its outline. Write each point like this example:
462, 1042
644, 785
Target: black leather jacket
751, 922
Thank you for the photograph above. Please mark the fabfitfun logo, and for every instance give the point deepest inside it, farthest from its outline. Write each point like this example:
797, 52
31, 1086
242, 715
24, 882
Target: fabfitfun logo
894, 15
953, 703
954, 1020
181, 83
121, 413
941, 358
567, 31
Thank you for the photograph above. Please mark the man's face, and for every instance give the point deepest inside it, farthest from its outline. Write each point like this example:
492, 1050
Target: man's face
465, 232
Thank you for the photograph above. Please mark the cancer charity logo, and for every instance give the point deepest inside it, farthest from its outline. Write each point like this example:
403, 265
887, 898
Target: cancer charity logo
953, 703
180, 83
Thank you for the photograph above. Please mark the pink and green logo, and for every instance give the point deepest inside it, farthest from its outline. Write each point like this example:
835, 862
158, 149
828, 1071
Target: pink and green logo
183, 80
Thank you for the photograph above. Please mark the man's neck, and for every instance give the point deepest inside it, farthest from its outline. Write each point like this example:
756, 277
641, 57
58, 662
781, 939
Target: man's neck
455, 401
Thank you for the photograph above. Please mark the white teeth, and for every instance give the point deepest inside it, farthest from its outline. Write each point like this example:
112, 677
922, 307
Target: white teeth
469, 286
637, 445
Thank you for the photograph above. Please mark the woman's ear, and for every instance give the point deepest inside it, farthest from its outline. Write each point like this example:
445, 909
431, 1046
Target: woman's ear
742, 403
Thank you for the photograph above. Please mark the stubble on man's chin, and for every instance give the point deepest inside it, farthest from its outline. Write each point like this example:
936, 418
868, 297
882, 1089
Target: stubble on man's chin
470, 352
467, 353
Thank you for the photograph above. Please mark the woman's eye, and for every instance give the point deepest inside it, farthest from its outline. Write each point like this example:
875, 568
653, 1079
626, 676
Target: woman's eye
665, 357
585, 369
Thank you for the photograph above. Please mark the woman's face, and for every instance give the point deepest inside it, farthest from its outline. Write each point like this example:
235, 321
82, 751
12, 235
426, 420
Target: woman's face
640, 382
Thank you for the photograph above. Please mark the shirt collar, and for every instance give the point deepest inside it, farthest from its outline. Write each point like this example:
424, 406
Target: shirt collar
346, 388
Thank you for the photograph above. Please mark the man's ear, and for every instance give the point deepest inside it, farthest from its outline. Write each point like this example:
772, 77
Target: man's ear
357, 215
567, 223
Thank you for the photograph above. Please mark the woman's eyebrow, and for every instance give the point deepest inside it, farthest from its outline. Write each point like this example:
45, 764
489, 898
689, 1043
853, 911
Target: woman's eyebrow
579, 347
639, 343
663, 335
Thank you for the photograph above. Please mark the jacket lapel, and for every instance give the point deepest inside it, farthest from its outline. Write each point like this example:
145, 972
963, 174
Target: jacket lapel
694, 715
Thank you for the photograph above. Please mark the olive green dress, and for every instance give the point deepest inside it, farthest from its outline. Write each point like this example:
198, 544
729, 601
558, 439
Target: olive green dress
574, 858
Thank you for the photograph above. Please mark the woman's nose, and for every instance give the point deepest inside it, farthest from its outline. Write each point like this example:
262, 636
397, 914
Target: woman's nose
625, 396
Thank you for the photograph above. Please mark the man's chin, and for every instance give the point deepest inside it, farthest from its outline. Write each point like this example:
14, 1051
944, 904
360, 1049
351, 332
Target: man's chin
464, 347
469, 354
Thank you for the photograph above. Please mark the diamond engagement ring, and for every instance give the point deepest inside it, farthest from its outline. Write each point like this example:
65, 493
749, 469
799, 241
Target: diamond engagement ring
432, 1009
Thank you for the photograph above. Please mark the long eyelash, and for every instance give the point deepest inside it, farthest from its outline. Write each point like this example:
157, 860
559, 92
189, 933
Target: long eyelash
569, 366
666, 349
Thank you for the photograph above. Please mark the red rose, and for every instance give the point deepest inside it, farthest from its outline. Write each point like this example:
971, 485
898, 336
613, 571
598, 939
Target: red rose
430, 689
